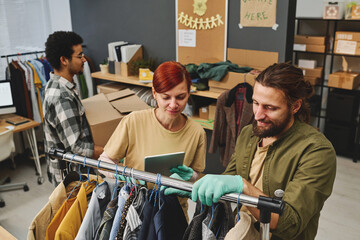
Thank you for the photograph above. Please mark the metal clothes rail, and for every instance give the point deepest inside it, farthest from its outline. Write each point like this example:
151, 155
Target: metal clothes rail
266, 205
21, 54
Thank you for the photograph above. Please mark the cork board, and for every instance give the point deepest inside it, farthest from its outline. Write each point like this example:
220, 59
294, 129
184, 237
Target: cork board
210, 44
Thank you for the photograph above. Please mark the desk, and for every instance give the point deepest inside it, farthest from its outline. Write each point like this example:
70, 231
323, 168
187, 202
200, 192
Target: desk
28, 128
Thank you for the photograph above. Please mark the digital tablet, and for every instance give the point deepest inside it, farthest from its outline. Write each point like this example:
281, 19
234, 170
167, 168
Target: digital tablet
164, 162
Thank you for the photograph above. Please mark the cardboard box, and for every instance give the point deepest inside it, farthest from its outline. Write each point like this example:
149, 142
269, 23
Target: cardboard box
346, 80
315, 48
231, 80
204, 112
123, 69
347, 47
110, 87
317, 72
212, 111
306, 63
313, 40
104, 112
350, 36
313, 80
242, 57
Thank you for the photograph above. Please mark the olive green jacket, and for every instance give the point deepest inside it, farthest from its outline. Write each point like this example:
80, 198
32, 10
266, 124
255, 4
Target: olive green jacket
303, 164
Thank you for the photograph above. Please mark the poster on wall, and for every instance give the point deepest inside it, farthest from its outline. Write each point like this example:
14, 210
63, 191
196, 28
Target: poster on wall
255, 13
201, 31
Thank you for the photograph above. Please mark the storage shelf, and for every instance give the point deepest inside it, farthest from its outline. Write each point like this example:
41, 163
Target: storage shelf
331, 28
135, 81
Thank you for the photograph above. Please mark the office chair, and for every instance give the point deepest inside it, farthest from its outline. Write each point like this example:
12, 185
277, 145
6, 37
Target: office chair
7, 149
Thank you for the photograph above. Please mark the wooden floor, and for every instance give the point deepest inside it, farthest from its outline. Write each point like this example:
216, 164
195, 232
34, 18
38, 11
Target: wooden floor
340, 217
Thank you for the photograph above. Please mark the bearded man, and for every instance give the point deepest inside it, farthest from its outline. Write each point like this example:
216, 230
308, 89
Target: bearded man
280, 152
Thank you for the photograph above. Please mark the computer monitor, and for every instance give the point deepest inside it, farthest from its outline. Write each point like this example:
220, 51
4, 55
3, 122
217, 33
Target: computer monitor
6, 98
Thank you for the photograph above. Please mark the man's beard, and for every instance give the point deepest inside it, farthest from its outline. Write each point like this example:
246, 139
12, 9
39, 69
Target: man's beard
274, 129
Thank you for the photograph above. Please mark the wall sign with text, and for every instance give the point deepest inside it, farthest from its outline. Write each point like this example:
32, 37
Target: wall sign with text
258, 13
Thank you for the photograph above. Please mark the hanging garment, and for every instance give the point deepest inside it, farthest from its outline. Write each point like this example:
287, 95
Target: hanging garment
33, 98
66, 206
71, 223
19, 90
133, 221
38, 226
107, 220
123, 196
227, 125
218, 222
83, 86
194, 230
39, 90
120, 233
39, 68
210, 222
244, 229
100, 197
165, 222
88, 79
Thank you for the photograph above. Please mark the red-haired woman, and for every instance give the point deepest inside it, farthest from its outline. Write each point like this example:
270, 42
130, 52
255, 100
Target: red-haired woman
163, 129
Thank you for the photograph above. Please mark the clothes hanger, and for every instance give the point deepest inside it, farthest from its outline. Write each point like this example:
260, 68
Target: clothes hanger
116, 180
76, 184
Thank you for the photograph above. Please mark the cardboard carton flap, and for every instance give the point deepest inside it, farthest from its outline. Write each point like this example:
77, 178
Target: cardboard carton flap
98, 109
252, 58
129, 104
120, 94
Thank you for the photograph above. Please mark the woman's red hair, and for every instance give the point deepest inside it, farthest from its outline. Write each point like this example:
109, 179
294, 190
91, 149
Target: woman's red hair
170, 74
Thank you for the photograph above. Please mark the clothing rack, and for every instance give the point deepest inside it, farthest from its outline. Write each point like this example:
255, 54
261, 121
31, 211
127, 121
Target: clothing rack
266, 205
21, 54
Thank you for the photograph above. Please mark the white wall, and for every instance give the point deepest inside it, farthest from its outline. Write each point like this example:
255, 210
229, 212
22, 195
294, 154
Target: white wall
309, 8
60, 15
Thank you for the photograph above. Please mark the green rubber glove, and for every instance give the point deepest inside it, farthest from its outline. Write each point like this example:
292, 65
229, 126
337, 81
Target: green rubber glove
128, 179
212, 187
183, 171
178, 192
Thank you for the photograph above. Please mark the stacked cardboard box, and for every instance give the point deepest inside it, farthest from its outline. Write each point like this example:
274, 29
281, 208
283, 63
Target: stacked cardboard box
313, 75
346, 80
309, 43
347, 43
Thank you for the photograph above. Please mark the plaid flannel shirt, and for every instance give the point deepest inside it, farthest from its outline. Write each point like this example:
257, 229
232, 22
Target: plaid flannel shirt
65, 124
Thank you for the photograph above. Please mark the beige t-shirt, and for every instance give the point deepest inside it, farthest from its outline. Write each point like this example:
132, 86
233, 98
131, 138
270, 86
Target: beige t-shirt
257, 170
140, 134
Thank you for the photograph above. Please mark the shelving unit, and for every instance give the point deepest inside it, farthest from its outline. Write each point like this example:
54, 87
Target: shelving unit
328, 30
133, 80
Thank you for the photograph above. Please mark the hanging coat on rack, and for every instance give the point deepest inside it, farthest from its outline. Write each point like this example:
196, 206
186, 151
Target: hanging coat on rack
229, 122
20, 91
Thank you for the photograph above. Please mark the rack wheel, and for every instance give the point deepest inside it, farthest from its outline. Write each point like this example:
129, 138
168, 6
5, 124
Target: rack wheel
40, 180
2, 203
26, 188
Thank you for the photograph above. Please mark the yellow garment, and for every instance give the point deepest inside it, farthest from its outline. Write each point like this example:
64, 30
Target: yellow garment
38, 226
140, 134
72, 221
38, 85
66, 207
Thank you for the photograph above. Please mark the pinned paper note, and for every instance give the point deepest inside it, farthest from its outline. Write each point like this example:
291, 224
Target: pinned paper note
258, 13
187, 38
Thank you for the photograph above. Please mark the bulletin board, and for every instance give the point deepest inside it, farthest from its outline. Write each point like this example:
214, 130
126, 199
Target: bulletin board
205, 22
